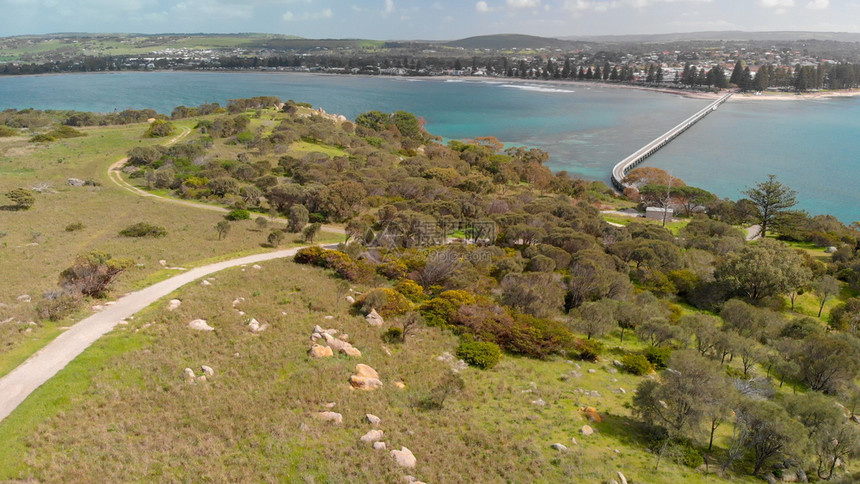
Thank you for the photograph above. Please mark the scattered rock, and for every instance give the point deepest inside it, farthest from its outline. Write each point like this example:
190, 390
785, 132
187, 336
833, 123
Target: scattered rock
374, 319
75, 182
329, 317
621, 478
303, 428
612, 370
830, 250
559, 447
592, 370
373, 419
573, 440
205, 282
591, 414
379, 445
586, 430
188, 373
207, 370
200, 325
256, 327
238, 301
372, 436
173, 304
400, 384
24, 298
256, 266
318, 351
98, 307
446, 357
404, 457
617, 363
201, 378
332, 417
622, 391
539, 402
350, 299
459, 366
351, 351
366, 378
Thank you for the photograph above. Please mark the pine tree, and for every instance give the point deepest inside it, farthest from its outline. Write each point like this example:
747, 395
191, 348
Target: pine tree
659, 76
565, 71
746, 80
606, 69
737, 73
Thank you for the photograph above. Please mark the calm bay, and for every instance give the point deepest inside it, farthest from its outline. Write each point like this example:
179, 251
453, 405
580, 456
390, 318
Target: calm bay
811, 145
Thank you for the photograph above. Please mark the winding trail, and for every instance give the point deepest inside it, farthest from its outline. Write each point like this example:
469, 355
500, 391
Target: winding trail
44, 364
18, 384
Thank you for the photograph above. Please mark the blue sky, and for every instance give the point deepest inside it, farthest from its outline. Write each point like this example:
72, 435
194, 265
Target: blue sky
432, 19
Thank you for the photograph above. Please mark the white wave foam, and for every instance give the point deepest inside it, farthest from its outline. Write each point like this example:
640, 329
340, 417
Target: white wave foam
527, 87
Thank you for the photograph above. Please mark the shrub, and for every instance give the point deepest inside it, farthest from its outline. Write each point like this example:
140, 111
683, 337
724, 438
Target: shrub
6, 131
658, 356
59, 304
411, 289
636, 364
451, 383
392, 269
480, 354
143, 229
92, 273
589, 350
159, 129
690, 456
238, 214
74, 227
393, 335
310, 255
21, 197
437, 311
276, 236
387, 302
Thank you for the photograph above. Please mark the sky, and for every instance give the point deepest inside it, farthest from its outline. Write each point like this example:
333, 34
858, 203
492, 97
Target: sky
425, 20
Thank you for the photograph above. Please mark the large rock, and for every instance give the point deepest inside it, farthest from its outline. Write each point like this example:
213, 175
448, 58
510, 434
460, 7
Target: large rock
331, 417
559, 447
372, 436
365, 378
24, 298
173, 304
621, 478
200, 325
188, 373
256, 327
373, 419
586, 430
350, 300
351, 351
404, 457
374, 319
379, 445
318, 351
75, 182
207, 370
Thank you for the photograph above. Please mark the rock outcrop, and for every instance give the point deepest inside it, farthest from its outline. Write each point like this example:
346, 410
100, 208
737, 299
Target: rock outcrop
365, 378
404, 457
200, 325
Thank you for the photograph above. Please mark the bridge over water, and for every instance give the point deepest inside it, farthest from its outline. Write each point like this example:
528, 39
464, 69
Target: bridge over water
622, 168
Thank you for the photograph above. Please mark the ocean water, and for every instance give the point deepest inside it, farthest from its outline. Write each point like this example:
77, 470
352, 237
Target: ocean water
810, 145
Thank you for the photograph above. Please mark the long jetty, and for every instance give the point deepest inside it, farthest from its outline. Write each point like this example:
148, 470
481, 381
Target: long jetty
619, 172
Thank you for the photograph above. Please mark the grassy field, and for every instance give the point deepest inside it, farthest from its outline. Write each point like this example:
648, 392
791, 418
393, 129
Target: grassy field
123, 412
35, 247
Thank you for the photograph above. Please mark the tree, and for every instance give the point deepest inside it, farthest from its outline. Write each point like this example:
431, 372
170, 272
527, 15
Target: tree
833, 437
828, 361
825, 287
537, 293
768, 431
299, 217
21, 197
311, 231
596, 318
678, 402
159, 129
91, 274
766, 268
737, 73
276, 236
846, 317
772, 199
223, 228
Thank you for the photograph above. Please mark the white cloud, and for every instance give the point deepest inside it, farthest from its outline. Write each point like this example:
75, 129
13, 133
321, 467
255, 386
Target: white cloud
289, 16
779, 4
523, 3
389, 7
482, 7
818, 4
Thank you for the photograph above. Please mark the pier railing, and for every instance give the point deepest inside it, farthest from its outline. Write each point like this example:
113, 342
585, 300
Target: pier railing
619, 172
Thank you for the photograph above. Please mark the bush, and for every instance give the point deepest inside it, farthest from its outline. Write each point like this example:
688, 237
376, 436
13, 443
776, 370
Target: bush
386, 301
393, 335
451, 383
589, 350
658, 356
238, 214
22, 198
6, 131
143, 229
690, 456
159, 129
411, 289
57, 305
636, 364
480, 354
92, 273
310, 255
74, 227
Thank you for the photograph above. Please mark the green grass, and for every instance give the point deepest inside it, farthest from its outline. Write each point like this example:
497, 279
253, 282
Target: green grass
304, 147
122, 412
674, 227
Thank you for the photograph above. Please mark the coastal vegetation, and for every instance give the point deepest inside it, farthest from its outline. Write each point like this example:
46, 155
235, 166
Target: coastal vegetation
691, 356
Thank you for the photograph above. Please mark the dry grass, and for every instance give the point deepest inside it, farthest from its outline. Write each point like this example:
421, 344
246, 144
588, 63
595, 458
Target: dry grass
131, 417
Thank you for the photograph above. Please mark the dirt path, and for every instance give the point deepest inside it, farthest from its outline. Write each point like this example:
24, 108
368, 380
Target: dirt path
44, 364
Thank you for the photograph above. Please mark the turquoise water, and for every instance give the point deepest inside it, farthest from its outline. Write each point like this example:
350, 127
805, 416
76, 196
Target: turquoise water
586, 129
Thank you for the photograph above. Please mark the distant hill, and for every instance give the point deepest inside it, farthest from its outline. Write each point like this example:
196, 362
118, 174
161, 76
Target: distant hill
728, 35
512, 41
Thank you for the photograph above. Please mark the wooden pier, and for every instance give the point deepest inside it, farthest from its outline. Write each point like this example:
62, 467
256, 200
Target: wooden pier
619, 172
